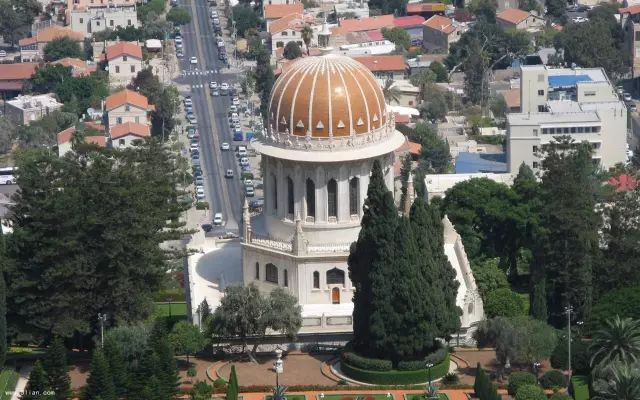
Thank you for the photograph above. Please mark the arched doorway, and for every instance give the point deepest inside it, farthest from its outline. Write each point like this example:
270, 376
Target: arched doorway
335, 295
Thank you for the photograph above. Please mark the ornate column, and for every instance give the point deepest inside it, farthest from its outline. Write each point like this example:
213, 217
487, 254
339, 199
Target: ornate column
246, 222
298, 244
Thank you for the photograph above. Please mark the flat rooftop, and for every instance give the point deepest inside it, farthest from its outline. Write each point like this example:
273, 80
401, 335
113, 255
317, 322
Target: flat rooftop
553, 118
569, 77
468, 163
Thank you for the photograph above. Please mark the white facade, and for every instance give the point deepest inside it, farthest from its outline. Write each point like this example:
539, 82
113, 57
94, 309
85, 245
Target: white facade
24, 109
127, 113
92, 20
368, 48
123, 69
125, 141
438, 184
580, 103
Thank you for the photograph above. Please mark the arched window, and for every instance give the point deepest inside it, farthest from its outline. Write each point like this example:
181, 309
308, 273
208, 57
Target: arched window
311, 199
289, 195
257, 271
332, 198
354, 196
286, 278
275, 192
335, 276
316, 280
271, 274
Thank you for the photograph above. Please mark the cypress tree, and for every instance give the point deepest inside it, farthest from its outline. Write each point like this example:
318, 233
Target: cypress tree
232, 386
367, 263
480, 383
539, 301
99, 383
117, 367
142, 373
37, 385
205, 311
404, 177
166, 369
55, 365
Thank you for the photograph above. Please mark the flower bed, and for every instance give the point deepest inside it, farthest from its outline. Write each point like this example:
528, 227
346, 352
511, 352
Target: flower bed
395, 377
357, 396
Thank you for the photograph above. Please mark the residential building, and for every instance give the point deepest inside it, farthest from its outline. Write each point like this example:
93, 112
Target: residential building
423, 62
630, 21
78, 66
123, 135
14, 76
124, 62
408, 94
366, 43
412, 24
580, 103
24, 109
32, 48
92, 20
359, 9
127, 106
84, 4
514, 18
385, 67
363, 24
65, 138
426, 10
289, 29
273, 12
440, 32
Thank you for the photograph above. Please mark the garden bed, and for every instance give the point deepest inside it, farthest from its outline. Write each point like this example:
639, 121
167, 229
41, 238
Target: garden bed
359, 396
289, 397
420, 396
395, 377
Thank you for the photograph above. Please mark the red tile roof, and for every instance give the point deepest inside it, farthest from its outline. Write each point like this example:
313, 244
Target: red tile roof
635, 9
375, 36
410, 20
124, 48
66, 135
513, 15
17, 72
414, 148
53, 32
79, 67
293, 21
417, 8
365, 24
130, 128
97, 140
126, 96
383, 63
275, 11
512, 98
441, 24
401, 118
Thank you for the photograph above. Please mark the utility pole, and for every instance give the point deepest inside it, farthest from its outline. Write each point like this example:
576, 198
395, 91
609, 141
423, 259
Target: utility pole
568, 310
102, 318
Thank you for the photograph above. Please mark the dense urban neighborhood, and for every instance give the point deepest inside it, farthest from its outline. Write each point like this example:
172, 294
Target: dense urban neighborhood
319, 200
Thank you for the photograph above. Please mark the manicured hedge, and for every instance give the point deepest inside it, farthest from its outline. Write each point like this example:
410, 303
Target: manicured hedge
372, 364
434, 358
395, 377
517, 379
553, 379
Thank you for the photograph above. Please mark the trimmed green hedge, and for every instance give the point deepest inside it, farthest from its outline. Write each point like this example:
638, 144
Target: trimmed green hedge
395, 377
553, 379
434, 358
580, 387
372, 364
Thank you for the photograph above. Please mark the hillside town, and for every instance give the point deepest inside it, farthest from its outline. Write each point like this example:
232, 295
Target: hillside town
319, 200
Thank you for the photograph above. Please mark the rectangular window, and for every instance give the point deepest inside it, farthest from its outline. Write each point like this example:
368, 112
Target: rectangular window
257, 271
638, 36
580, 129
587, 129
541, 108
535, 132
97, 23
535, 149
137, 119
545, 131
121, 142
127, 107
596, 129
110, 22
133, 68
540, 77
129, 22
81, 20
119, 120
566, 130
540, 92
573, 129
535, 164
590, 93
271, 274
552, 131
124, 58
118, 71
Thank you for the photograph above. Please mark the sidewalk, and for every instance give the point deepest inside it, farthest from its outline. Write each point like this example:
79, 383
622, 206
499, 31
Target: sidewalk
458, 394
22, 382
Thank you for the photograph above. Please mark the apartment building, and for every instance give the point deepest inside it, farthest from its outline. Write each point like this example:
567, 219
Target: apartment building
24, 109
630, 21
92, 20
127, 106
124, 62
580, 103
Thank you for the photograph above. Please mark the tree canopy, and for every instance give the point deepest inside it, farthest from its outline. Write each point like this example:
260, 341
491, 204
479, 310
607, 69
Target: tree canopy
292, 50
61, 48
178, 16
398, 36
186, 339
16, 17
245, 19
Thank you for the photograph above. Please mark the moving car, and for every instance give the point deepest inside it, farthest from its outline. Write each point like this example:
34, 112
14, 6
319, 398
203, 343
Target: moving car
192, 119
217, 219
225, 146
236, 101
244, 161
224, 85
193, 60
626, 96
229, 173
213, 85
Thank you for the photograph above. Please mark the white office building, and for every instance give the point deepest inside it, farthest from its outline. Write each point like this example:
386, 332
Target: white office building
578, 102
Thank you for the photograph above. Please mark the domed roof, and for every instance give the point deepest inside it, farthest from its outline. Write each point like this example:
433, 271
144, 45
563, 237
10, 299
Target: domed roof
326, 96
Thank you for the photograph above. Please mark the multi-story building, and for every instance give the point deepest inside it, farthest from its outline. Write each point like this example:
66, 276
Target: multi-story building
124, 135
514, 18
124, 62
289, 29
273, 12
385, 67
127, 106
82, 4
92, 20
32, 48
580, 103
630, 21
366, 43
14, 76
24, 109
440, 32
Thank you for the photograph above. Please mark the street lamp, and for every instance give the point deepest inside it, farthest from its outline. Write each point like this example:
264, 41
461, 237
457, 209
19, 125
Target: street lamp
279, 368
568, 310
102, 318
429, 366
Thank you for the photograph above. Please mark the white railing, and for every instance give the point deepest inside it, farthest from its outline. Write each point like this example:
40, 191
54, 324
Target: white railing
329, 248
271, 243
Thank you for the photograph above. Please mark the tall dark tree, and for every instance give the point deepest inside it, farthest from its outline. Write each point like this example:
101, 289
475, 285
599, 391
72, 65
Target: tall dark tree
538, 307
100, 384
57, 370
205, 310
167, 371
404, 177
367, 262
117, 367
292, 50
37, 385
474, 66
568, 240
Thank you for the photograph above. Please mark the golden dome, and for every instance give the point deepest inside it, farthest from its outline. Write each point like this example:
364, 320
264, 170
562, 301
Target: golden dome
326, 96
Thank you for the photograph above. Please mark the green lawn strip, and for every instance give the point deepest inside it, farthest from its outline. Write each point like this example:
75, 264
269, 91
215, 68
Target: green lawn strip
352, 396
580, 387
8, 382
290, 397
177, 309
420, 396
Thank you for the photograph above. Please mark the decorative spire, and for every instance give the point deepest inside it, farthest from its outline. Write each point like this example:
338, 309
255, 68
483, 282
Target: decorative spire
246, 222
408, 198
299, 245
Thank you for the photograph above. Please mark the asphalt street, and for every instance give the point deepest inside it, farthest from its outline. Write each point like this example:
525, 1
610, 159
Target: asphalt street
224, 195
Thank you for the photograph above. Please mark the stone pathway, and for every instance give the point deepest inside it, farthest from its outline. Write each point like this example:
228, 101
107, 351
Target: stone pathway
23, 378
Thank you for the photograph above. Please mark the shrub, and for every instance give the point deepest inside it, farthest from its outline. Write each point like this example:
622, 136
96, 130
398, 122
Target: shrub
395, 377
517, 379
504, 303
530, 392
202, 205
191, 372
450, 379
247, 175
434, 358
371, 364
560, 396
341, 382
622, 302
579, 356
552, 379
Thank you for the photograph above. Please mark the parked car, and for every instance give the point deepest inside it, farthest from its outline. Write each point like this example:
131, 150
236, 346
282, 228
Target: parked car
192, 119
224, 85
632, 106
626, 96
249, 191
193, 60
199, 180
207, 227
217, 219
242, 151
233, 108
229, 173
244, 161
225, 146
213, 85
258, 203
235, 101
179, 54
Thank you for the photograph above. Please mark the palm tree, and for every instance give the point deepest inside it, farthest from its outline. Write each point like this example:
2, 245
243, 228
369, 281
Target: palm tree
391, 93
619, 341
307, 35
621, 382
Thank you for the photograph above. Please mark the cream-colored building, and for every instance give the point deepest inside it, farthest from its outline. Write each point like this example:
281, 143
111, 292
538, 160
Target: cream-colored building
289, 29
440, 32
126, 134
514, 18
328, 124
24, 109
124, 60
580, 103
32, 48
127, 106
92, 20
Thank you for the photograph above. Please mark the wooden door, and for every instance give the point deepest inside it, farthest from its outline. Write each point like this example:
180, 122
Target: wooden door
335, 295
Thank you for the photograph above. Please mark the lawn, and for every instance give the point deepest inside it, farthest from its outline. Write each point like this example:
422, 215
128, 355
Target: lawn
420, 396
177, 309
580, 387
290, 397
8, 381
361, 396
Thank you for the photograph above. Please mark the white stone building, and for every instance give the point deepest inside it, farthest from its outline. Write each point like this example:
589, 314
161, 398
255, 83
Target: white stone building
92, 20
328, 123
124, 60
581, 103
24, 109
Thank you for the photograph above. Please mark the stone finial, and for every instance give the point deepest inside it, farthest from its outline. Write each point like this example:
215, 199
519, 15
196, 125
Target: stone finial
408, 198
246, 222
299, 245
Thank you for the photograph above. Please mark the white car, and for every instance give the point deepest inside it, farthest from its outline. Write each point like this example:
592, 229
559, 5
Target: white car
229, 173
626, 96
178, 39
578, 20
233, 108
193, 60
194, 146
213, 85
235, 101
244, 161
224, 86
217, 219
225, 146
192, 119
220, 43
214, 14
3, 53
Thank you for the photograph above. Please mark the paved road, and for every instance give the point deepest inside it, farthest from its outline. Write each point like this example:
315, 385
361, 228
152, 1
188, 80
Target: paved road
224, 195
